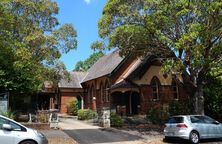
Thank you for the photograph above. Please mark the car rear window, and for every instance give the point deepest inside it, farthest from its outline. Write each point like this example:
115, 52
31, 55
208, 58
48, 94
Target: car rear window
175, 120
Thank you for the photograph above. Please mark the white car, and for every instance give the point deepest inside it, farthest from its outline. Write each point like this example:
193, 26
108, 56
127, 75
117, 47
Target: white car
193, 128
11, 132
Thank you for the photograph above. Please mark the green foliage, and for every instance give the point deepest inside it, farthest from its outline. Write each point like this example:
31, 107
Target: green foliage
98, 45
157, 115
73, 107
186, 33
116, 120
43, 117
86, 114
214, 98
31, 43
8, 114
180, 108
86, 64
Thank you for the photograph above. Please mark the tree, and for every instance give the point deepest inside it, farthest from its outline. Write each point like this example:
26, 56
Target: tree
86, 64
190, 29
213, 96
31, 43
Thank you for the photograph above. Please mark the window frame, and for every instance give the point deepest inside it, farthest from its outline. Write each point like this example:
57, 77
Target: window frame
155, 84
175, 90
101, 92
11, 123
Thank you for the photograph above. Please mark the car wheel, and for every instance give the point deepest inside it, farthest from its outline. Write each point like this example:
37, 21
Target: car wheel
28, 142
194, 137
166, 139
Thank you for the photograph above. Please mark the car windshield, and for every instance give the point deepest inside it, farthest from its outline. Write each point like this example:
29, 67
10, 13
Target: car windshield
173, 120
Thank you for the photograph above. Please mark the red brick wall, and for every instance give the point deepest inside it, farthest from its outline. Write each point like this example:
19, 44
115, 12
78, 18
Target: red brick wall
123, 69
146, 100
95, 84
64, 103
165, 97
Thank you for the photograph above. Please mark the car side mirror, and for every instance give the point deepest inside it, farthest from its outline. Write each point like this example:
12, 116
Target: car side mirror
216, 122
7, 127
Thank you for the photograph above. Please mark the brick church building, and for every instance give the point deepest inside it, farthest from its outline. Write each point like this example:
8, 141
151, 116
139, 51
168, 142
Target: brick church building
128, 86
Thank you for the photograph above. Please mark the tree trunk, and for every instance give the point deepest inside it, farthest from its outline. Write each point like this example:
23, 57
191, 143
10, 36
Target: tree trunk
199, 100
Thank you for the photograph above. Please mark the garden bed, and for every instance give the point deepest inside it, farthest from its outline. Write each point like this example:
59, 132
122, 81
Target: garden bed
38, 126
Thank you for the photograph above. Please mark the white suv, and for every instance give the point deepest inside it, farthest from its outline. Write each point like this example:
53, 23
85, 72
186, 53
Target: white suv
11, 132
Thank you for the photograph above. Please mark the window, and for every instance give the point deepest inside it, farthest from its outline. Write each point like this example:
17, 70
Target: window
89, 95
208, 120
174, 120
106, 92
3, 121
101, 92
175, 90
196, 119
92, 94
155, 85
15, 127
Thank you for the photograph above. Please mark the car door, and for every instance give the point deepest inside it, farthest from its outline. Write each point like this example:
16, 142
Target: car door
204, 129
219, 128
197, 123
212, 127
6, 136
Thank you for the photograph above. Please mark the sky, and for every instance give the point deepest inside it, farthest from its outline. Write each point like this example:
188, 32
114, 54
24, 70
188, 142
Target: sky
84, 15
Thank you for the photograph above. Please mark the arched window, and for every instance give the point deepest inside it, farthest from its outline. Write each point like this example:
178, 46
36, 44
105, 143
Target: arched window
89, 95
175, 90
106, 92
101, 92
155, 85
92, 93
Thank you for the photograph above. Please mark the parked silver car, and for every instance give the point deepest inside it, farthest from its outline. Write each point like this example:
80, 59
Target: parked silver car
192, 127
11, 132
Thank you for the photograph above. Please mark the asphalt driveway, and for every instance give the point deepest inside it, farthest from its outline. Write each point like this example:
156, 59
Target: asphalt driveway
85, 133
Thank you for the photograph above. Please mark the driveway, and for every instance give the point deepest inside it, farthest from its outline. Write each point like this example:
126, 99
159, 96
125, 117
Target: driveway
85, 133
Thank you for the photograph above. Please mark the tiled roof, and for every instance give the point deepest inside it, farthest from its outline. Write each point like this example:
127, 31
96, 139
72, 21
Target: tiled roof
75, 80
104, 66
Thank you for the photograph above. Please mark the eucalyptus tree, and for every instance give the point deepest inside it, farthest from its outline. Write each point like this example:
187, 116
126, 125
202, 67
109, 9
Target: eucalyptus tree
86, 64
191, 29
31, 43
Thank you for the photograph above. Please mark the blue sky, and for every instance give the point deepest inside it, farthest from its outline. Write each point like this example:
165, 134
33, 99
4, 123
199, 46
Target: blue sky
84, 15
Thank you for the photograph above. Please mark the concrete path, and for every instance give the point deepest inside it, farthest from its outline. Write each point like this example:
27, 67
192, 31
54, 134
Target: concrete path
85, 133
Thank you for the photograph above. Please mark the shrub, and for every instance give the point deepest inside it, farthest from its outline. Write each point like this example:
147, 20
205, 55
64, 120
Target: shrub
157, 115
180, 108
116, 120
8, 114
73, 107
43, 117
213, 100
86, 114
